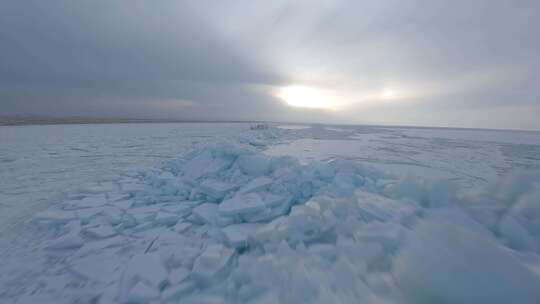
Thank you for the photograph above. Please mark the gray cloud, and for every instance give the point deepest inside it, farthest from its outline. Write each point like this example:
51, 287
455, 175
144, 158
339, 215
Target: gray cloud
219, 60
102, 41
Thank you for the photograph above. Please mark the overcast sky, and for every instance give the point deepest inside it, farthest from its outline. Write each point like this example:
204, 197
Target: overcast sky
440, 63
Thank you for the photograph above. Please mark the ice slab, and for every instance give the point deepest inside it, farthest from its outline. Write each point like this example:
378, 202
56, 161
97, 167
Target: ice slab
257, 184
66, 242
444, 263
254, 164
213, 263
208, 213
111, 214
237, 235
166, 218
216, 190
242, 205
204, 164
123, 204
174, 293
144, 213
180, 208
178, 275
100, 268
145, 271
142, 293
379, 208
101, 231
389, 236
53, 217
86, 202
182, 227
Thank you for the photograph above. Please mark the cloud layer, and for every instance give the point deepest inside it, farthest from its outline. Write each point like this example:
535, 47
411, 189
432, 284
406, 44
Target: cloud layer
443, 63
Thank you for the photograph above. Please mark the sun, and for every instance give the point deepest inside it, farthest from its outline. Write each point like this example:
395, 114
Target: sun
389, 94
308, 97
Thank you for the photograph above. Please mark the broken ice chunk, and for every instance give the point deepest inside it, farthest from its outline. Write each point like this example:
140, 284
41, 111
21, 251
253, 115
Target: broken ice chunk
380, 208
66, 242
276, 205
142, 293
237, 235
256, 164
273, 230
97, 188
113, 197
173, 293
123, 204
131, 187
144, 214
303, 224
516, 235
96, 267
388, 235
216, 190
204, 164
327, 251
180, 208
165, 218
449, 264
112, 215
242, 205
146, 269
257, 184
274, 201
181, 227
55, 217
86, 202
100, 245
101, 231
178, 275
214, 262
86, 214
128, 221
182, 255
207, 213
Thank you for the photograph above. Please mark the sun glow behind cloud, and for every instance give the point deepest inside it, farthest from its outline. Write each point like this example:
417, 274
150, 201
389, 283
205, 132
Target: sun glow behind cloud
309, 97
389, 94
301, 96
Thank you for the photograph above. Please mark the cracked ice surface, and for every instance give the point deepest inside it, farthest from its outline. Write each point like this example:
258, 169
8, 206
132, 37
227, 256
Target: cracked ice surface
225, 223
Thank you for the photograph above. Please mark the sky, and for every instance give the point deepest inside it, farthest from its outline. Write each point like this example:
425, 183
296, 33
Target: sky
418, 62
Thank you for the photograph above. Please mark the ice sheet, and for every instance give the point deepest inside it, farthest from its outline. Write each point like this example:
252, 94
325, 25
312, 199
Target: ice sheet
229, 214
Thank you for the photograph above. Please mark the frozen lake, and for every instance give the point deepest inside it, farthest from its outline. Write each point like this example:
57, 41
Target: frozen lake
166, 213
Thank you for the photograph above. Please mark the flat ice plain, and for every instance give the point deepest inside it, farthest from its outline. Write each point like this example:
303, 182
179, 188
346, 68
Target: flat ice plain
227, 213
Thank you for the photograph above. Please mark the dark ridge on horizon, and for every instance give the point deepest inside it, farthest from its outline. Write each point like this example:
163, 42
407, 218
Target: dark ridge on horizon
19, 120
34, 120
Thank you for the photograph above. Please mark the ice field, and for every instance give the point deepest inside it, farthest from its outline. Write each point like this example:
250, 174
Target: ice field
246, 213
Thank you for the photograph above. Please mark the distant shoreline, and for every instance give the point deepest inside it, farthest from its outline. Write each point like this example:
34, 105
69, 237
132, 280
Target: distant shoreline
80, 121
33, 121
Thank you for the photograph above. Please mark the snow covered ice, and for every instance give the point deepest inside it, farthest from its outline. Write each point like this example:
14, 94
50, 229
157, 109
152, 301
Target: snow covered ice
274, 214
